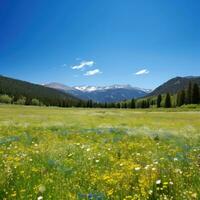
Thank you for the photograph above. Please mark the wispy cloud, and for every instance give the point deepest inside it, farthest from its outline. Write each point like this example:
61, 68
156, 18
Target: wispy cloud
142, 71
83, 64
92, 72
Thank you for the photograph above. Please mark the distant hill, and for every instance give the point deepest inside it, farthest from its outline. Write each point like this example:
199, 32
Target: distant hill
175, 85
49, 96
114, 93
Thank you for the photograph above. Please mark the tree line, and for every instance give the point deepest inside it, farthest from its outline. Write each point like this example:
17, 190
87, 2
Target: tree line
191, 95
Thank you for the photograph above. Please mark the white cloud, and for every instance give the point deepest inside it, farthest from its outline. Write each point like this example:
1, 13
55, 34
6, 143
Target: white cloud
141, 72
83, 64
93, 72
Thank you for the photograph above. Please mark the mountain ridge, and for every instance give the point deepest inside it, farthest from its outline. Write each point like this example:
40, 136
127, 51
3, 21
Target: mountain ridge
175, 85
49, 96
56, 93
113, 93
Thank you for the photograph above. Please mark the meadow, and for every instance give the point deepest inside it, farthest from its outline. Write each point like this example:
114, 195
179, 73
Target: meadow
61, 154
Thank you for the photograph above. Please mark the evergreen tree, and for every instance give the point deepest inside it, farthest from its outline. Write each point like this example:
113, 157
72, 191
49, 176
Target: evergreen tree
181, 98
143, 104
90, 103
148, 103
132, 103
159, 99
125, 105
195, 94
189, 93
112, 105
168, 101
138, 104
178, 98
118, 105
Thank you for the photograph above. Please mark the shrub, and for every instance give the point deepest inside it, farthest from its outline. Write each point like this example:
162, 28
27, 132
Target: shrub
35, 102
21, 101
5, 99
191, 106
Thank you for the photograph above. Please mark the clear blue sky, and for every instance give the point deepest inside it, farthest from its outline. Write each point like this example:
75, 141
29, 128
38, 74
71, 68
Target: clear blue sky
99, 42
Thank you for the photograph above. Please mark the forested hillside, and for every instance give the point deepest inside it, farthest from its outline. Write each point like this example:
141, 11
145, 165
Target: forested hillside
175, 85
19, 90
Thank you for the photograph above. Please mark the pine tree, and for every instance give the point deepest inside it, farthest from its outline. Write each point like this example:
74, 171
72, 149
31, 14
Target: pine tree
125, 105
195, 94
88, 104
133, 103
181, 98
168, 101
189, 93
148, 103
178, 99
118, 105
105, 105
143, 104
159, 99
91, 103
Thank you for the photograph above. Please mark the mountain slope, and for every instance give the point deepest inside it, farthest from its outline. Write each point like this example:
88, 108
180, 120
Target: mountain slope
108, 94
48, 96
174, 85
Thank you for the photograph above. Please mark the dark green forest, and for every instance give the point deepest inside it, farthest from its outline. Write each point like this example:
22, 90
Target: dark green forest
24, 92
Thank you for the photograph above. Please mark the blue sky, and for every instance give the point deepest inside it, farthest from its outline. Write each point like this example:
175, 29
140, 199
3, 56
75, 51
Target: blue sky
99, 42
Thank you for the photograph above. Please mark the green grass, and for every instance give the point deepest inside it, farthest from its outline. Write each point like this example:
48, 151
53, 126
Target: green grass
62, 154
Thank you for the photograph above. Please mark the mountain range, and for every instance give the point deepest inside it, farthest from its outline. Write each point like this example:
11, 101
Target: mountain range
113, 93
57, 94
116, 93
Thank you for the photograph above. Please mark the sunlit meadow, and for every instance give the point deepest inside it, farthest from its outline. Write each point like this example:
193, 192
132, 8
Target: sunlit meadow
58, 154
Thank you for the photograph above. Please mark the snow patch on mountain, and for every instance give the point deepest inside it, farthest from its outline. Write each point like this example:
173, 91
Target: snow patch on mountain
102, 88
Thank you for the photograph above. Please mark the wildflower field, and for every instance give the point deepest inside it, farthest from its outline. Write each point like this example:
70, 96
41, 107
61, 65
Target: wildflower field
61, 154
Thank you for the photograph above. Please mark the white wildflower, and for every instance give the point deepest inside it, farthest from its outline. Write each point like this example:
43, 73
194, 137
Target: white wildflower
150, 191
146, 167
158, 182
137, 168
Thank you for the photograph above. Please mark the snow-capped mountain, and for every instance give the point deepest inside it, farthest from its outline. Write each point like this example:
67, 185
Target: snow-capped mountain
111, 93
98, 88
